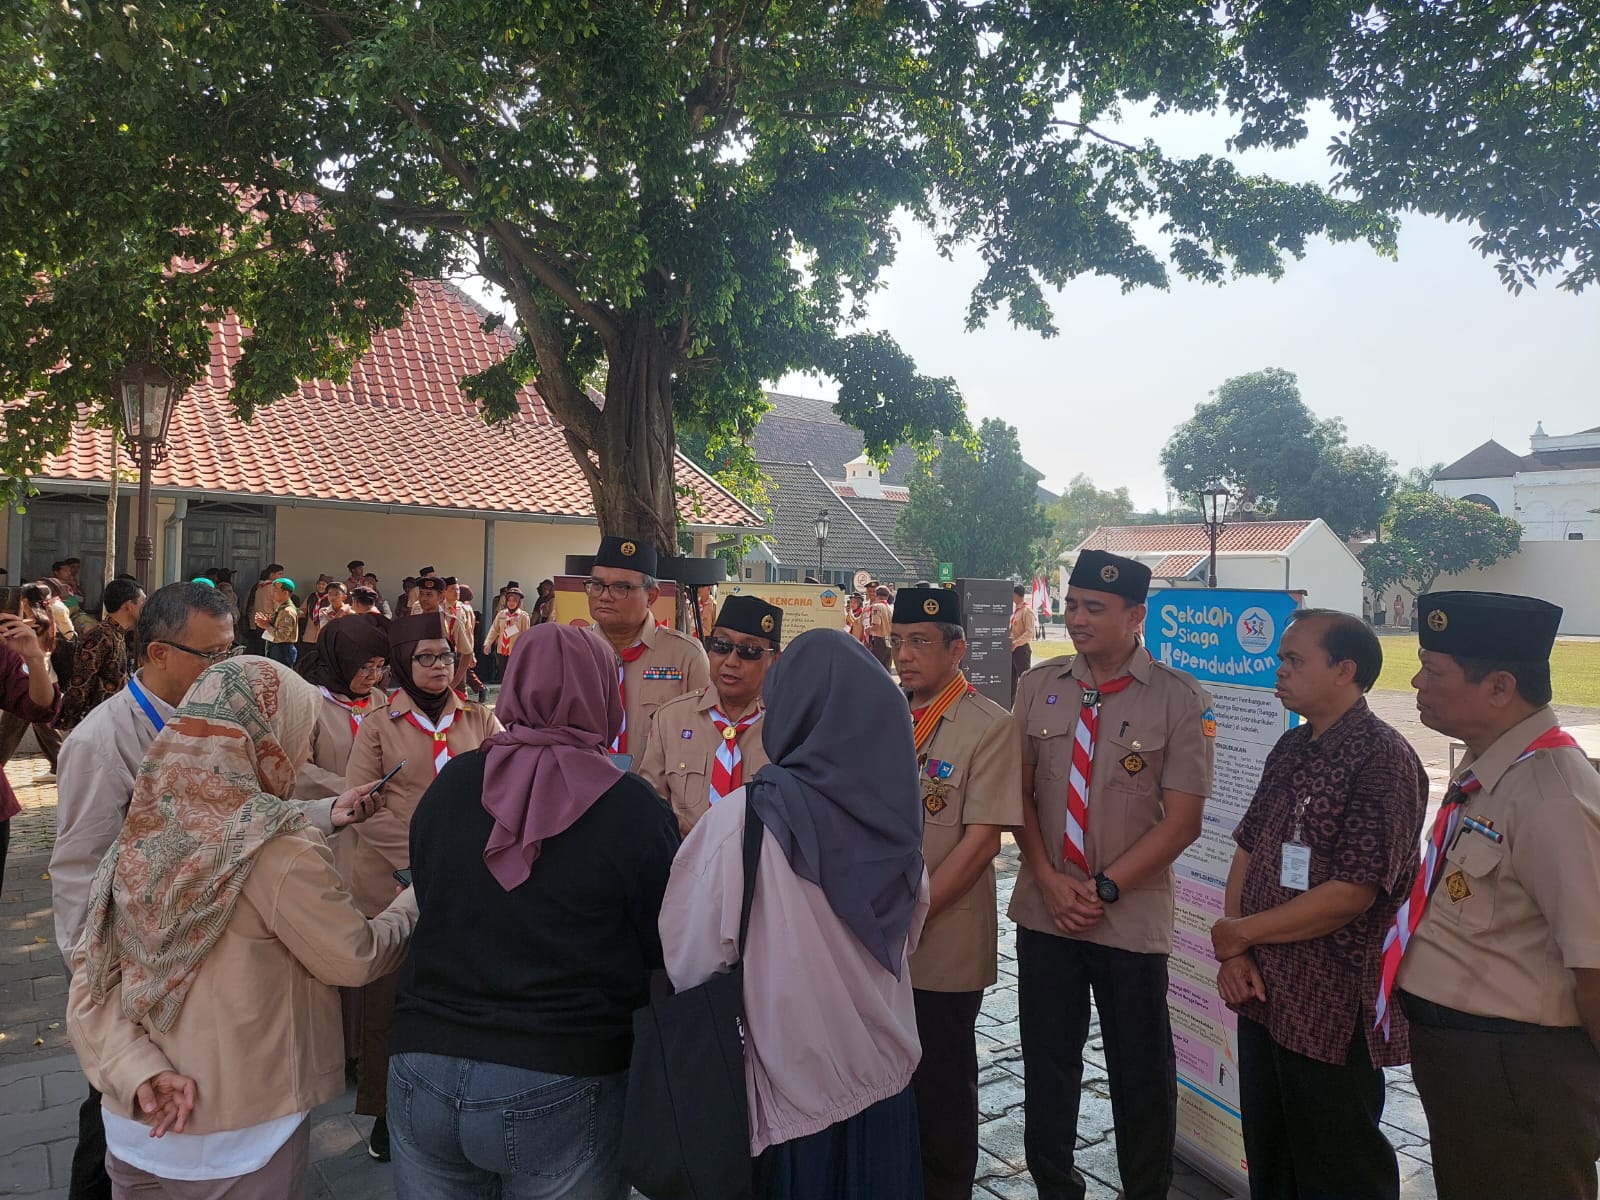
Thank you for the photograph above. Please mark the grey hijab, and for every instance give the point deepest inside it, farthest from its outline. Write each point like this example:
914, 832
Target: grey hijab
840, 794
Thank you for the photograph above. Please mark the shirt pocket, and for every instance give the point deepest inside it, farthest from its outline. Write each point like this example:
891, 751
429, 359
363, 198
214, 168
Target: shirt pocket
1130, 762
1053, 749
941, 798
1465, 895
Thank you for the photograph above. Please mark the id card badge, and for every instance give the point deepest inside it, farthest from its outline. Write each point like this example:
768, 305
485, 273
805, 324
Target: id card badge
1296, 871
622, 762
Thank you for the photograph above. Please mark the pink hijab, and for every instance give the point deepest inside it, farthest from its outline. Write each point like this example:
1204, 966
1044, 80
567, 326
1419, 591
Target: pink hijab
561, 708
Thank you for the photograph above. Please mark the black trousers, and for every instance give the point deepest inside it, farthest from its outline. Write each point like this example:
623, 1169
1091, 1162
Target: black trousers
946, 1087
89, 1179
1509, 1114
1055, 977
1311, 1128
1021, 660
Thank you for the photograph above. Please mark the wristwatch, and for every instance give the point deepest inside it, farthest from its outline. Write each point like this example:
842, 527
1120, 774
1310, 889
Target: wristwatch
1107, 888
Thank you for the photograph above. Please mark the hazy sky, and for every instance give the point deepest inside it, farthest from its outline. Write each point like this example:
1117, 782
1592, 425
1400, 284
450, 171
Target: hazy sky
1424, 357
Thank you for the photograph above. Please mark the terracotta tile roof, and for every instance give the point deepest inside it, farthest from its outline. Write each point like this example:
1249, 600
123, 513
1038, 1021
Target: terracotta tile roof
1244, 537
1177, 566
896, 495
360, 441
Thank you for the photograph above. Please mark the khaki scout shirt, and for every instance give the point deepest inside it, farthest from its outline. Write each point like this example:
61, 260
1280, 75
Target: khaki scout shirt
1022, 626
1152, 737
1508, 923
672, 664
978, 740
683, 745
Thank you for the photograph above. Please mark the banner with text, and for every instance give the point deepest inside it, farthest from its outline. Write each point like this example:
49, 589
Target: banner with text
1228, 640
805, 605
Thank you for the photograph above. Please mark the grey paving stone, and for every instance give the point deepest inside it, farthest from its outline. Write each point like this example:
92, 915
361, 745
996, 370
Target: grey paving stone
1001, 1138
65, 1087
60, 1156
24, 1172
22, 1095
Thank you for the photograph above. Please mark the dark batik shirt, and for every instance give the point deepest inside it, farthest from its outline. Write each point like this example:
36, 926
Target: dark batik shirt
100, 670
1366, 797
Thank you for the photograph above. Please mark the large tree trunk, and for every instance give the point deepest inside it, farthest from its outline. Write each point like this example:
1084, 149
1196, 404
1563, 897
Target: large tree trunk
633, 485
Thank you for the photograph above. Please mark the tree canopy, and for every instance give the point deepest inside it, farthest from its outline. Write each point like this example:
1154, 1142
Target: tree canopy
1077, 513
1258, 438
1425, 535
981, 511
700, 196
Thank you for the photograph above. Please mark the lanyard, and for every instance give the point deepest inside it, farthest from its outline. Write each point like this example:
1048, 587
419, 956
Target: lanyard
144, 703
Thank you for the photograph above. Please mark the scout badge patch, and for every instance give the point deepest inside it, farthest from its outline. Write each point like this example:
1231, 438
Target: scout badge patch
1455, 886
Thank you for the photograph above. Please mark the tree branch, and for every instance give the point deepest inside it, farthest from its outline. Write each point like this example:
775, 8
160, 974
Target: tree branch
1095, 133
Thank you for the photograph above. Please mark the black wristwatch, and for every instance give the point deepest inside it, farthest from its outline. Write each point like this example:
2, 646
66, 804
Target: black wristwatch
1107, 888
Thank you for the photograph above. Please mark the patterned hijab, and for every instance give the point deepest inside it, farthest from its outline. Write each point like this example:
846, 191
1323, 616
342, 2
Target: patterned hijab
207, 798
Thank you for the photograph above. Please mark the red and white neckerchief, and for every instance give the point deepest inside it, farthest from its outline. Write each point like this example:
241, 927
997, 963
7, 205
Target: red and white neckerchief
631, 654
438, 731
508, 619
1445, 828
1075, 838
727, 772
355, 708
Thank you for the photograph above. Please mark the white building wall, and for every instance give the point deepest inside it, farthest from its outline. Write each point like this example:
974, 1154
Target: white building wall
1502, 491
1321, 567
1564, 573
1553, 505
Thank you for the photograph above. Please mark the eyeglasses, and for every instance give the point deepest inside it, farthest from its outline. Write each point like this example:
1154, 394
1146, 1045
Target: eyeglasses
916, 643
212, 657
745, 650
433, 660
595, 587
369, 669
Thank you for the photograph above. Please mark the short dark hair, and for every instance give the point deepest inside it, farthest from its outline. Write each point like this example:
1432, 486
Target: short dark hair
1347, 639
168, 610
952, 632
118, 593
1016, 590
1533, 678
364, 595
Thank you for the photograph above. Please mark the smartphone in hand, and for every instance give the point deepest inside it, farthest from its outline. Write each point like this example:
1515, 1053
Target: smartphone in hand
404, 876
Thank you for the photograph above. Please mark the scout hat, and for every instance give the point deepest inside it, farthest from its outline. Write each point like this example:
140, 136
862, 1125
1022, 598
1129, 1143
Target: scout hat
514, 590
1487, 625
284, 582
353, 564
1098, 571
430, 583
752, 615
450, 581
913, 605
628, 554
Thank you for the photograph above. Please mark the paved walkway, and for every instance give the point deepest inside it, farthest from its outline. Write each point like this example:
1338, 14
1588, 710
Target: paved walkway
41, 1086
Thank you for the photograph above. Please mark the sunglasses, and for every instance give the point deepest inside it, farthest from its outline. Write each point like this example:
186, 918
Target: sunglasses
746, 651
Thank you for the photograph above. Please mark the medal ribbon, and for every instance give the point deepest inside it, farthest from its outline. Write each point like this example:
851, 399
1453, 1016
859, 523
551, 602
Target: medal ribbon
1445, 826
631, 654
355, 708
727, 772
925, 720
1083, 742
439, 732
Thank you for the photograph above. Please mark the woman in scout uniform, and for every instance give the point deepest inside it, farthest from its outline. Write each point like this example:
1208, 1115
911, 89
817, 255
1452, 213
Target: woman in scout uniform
656, 664
1495, 956
1116, 766
705, 744
425, 724
968, 760
510, 623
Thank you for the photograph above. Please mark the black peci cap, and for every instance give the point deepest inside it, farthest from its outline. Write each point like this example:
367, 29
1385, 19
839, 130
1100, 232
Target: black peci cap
628, 554
752, 615
1099, 571
913, 605
1487, 625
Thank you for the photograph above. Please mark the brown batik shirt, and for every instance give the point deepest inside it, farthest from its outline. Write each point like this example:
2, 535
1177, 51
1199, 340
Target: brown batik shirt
1366, 795
100, 670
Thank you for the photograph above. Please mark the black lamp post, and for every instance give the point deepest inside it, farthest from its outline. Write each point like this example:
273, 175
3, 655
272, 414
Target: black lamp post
148, 397
1214, 505
822, 540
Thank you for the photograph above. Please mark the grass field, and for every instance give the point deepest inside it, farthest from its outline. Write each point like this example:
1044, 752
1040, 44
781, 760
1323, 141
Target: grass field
1574, 667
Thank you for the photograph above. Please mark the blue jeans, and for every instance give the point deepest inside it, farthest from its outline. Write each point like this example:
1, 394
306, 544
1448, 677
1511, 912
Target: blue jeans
467, 1130
283, 652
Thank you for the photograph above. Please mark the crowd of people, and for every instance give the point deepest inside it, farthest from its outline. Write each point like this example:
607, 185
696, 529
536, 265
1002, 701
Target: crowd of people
265, 878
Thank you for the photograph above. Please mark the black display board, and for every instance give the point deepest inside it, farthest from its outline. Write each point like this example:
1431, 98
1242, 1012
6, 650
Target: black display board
986, 612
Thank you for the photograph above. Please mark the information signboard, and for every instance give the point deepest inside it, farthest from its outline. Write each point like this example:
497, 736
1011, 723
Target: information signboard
986, 613
947, 572
1228, 640
805, 605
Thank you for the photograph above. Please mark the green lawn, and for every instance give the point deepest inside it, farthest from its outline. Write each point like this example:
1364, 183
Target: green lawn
1574, 670
1574, 667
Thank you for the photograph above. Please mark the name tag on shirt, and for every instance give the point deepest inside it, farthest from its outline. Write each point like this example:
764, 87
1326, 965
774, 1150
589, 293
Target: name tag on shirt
1296, 870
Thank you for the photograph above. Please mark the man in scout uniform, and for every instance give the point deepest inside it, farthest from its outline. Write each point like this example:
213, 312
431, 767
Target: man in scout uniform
1116, 766
968, 760
1495, 954
655, 664
431, 599
879, 617
705, 744
1021, 630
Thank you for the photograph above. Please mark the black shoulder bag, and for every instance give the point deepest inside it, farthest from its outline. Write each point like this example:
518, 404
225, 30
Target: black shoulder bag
686, 1125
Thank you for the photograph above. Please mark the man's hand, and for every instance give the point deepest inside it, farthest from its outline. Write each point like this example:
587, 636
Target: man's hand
356, 805
20, 636
165, 1102
1074, 905
1227, 939
1239, 979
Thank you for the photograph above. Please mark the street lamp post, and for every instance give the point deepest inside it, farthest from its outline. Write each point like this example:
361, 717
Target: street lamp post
1214, 505
822, 539
148, 398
